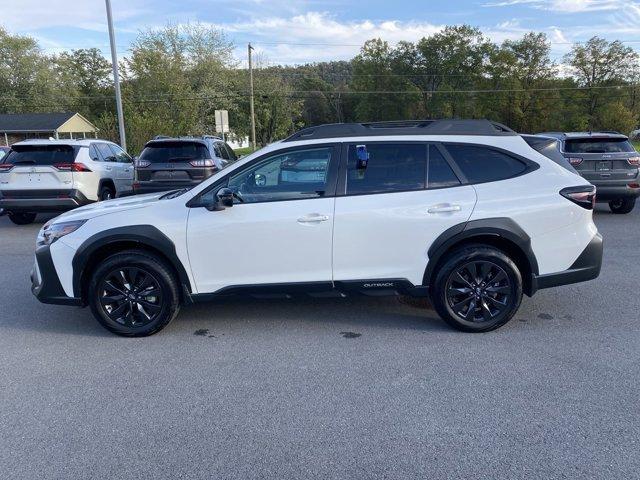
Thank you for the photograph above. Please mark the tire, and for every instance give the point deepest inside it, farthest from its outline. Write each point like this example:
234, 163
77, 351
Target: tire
622, 205
496, 297
22, 218
133, 294
106, 193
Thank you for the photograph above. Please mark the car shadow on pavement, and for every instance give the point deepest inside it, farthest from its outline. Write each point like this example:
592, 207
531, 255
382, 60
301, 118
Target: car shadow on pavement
385, 312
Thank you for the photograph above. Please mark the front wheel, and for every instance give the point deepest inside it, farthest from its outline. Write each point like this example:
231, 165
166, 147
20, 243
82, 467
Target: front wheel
22, 218
622, 205
133, 294
477, 289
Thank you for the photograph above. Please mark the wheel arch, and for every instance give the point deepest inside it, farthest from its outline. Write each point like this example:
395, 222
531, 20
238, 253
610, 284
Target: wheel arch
141, 237
107, 182
501, 233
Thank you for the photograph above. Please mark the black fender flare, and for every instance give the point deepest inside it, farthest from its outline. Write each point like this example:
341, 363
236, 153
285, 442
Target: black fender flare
499, 227
142, 235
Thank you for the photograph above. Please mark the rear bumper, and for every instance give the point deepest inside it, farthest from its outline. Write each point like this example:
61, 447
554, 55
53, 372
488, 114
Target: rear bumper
45, 284
41, 200
586, 267
155, 187
607, 192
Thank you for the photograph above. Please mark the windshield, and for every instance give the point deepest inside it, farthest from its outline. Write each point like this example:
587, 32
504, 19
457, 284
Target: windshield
165, 152
40, 155
598, 145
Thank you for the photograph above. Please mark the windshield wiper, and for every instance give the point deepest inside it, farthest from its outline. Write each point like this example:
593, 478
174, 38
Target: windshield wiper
174, 193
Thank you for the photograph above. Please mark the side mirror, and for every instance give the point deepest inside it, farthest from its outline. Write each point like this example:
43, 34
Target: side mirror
224, 199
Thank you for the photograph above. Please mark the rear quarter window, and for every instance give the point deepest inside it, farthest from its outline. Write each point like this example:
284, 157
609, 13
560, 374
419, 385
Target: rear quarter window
482, 164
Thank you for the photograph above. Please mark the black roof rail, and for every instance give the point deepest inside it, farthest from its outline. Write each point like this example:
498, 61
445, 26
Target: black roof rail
403, 127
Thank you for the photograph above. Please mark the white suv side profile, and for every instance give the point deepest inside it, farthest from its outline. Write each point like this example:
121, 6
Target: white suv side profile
57, 175
464, 212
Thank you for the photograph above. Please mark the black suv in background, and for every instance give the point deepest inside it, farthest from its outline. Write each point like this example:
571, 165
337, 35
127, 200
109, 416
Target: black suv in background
170, 163
608, 160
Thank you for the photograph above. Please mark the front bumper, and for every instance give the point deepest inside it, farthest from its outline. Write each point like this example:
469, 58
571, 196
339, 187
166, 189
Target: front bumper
45, 284
41, 200
586, 267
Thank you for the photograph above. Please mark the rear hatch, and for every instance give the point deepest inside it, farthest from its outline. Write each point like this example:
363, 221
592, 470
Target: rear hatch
38, 167
174, 161
602, 158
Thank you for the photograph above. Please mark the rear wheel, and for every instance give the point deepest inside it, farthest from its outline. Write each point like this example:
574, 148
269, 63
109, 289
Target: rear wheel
477, 289
106, 193
133, 294
22, 218
622, 205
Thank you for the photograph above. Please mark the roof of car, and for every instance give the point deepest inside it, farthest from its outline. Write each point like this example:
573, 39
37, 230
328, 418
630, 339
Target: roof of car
410, 127
203, 139
580, 135
82, 142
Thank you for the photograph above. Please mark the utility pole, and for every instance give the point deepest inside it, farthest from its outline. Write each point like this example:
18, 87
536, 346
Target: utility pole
253, 115
116, 77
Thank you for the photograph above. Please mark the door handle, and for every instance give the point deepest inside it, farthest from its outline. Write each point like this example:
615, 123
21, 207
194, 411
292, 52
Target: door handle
313, 218
108, 168
444, 208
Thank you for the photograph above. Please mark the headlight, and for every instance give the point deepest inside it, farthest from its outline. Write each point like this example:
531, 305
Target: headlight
53, 231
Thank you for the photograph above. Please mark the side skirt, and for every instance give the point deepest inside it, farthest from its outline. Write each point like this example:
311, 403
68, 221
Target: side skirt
343, 288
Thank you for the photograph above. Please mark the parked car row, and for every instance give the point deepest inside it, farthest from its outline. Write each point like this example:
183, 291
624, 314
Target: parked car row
39, 176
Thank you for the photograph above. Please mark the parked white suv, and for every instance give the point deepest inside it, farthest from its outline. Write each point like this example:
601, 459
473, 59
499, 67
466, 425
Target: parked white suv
57, 175
464, 212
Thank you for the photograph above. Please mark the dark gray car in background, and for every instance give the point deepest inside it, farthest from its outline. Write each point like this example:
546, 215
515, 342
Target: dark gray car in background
168, 163
607, 160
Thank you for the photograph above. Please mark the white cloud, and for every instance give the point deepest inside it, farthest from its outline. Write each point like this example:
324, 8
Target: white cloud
564, 6
30, 15
317, 36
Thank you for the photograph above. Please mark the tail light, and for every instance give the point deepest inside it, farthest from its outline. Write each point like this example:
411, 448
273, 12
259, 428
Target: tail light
633, 185
585, 196
142, 163
135, 185
635, 161
5, 167
71, 167
575, 161
202, 163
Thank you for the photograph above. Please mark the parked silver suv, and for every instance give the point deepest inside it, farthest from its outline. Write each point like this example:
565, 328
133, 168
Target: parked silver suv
57, 175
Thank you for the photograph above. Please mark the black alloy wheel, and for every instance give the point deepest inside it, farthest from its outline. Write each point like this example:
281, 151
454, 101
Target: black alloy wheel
131, 296
477, 288
134, 293
478, 291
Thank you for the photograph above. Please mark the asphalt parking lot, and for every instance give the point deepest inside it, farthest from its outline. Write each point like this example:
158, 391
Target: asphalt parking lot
326, 388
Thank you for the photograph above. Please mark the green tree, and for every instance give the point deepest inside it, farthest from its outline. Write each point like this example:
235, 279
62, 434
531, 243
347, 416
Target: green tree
599, 63
373, 72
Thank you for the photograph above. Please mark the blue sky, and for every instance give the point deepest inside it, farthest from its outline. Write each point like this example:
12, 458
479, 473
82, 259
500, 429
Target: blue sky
272, 25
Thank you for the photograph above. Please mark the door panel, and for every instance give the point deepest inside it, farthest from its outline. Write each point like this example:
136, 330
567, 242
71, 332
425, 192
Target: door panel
261, 243
388, 235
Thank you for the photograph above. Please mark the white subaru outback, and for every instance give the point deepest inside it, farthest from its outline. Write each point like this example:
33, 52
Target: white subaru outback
465, 212
57, 175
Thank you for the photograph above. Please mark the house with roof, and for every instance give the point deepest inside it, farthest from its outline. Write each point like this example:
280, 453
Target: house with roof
15, 127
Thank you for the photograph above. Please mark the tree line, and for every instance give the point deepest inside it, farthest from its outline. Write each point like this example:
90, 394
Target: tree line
174, 78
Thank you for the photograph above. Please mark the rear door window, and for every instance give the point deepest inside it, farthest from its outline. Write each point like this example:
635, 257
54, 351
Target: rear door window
167, 152
482, 164
391, 167
40, 155
598, 145
231, 153
220, 148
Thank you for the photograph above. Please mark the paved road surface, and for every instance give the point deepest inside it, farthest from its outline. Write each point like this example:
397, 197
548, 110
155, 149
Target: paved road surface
354, 388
